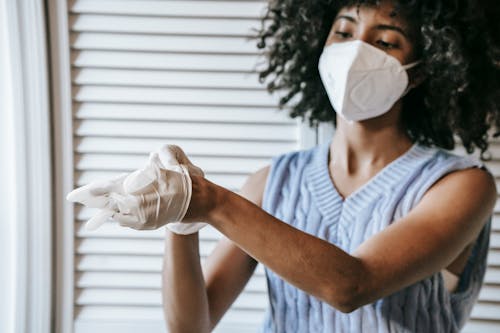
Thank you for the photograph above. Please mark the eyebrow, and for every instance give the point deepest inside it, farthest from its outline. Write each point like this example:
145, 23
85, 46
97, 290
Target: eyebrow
378, 27
391, 27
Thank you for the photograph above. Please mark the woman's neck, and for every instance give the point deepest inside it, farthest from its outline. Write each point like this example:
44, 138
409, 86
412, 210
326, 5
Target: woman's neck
369, 144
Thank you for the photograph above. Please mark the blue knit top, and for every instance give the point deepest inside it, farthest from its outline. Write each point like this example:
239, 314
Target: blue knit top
300, 192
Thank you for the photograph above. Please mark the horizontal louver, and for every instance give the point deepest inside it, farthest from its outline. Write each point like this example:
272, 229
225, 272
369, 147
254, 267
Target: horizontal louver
146, 73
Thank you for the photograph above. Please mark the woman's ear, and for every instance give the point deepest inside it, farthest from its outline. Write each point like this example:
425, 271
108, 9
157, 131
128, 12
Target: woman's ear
416, 76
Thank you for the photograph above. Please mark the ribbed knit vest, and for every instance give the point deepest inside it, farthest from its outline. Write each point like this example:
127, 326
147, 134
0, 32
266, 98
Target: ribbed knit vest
300, 192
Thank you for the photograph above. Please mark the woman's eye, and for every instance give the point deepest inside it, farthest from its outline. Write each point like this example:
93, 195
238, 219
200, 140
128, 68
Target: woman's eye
386, 45
343, 34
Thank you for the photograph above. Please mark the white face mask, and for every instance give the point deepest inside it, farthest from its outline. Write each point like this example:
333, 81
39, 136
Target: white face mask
361, 80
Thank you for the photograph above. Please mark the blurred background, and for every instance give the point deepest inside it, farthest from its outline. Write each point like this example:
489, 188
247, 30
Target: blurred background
87, 89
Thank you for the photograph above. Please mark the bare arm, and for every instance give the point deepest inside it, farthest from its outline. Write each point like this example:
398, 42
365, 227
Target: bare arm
185, 300
449, 217
195, 299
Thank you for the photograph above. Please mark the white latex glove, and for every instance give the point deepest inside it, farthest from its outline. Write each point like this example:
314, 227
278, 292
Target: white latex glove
154, 196
147, 198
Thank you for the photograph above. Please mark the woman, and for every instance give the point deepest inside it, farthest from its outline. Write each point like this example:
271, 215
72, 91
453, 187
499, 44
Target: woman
380, 229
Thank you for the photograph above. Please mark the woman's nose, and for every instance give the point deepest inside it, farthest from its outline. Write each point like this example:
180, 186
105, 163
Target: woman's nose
362, 35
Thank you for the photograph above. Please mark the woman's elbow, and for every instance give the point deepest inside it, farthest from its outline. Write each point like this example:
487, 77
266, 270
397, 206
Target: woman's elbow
348, 297
347, 301
348, 307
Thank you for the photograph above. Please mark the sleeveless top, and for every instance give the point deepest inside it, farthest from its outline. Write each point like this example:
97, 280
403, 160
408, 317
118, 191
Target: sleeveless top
300, 192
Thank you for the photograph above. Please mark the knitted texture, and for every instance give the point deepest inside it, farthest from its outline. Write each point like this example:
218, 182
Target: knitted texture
300, 192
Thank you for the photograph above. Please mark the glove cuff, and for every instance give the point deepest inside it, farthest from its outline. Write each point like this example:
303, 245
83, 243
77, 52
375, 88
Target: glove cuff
185, 228
188, 190
181, 228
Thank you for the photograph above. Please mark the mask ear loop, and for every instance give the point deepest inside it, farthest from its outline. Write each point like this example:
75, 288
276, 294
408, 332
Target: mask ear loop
406, 67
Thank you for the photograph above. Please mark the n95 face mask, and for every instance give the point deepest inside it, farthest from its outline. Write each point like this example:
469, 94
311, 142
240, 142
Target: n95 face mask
361, 80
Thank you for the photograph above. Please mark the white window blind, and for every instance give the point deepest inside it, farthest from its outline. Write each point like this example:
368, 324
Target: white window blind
146, 73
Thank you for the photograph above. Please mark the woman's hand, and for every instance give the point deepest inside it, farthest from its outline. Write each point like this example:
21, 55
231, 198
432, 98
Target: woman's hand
150, 197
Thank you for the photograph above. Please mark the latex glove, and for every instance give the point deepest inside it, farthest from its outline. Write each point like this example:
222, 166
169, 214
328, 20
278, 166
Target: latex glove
172, 157
147, 198
154, 196
97, 195
144, 182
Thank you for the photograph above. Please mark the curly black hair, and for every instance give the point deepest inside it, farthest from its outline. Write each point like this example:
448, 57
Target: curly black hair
458, 43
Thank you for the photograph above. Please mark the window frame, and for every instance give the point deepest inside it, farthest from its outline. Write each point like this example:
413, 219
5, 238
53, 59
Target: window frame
27, 165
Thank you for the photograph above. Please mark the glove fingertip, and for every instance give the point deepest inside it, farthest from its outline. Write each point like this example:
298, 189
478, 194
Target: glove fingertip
98, 220
93, 225
79, 194
71, 196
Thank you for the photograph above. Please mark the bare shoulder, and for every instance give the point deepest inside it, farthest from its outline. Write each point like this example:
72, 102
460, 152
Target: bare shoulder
470, 193
473, 182
253, 188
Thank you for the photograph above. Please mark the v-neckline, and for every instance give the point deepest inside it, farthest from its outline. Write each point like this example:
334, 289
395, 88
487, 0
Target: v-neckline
331, 203
373, 180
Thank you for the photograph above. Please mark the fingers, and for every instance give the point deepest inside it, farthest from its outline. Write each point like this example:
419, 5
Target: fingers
173, 155
115, 203
117, 182
133, 210
99, 219
102, 187
119, 209
84, 196
138, 182
79, 194
181, 156
103, 215
95, 194
146, 198
194, 170
168, 155
124, 203
125, 220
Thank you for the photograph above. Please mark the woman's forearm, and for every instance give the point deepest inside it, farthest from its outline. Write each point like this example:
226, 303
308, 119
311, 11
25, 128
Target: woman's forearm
184, 294
309, 263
